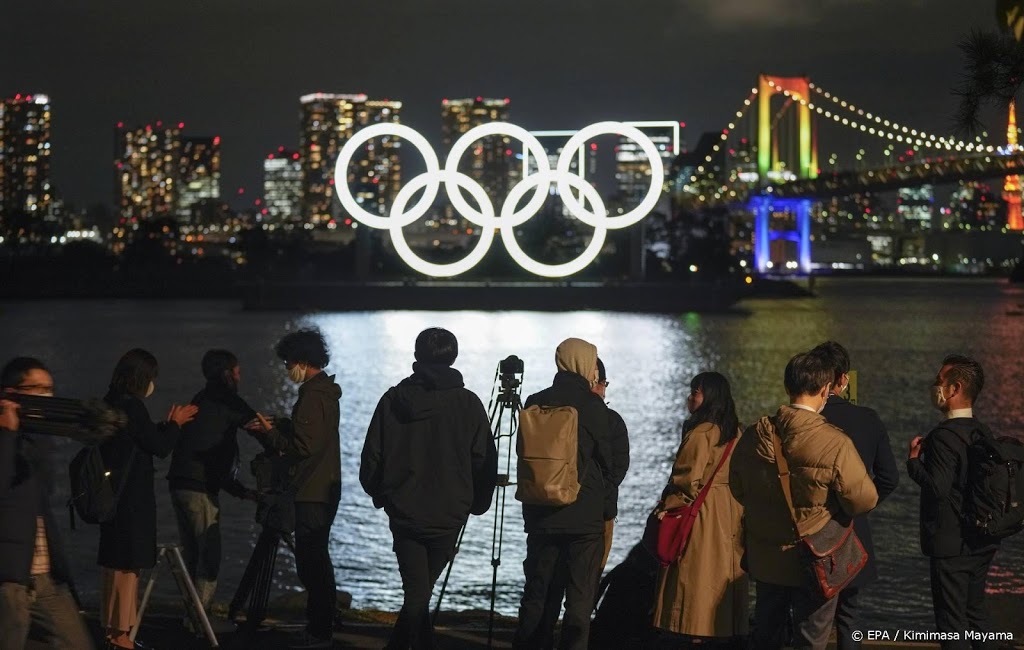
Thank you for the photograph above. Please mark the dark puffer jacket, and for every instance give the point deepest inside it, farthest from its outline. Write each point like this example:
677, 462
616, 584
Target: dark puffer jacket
429, 459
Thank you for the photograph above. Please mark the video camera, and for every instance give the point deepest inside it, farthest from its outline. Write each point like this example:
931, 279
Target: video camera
510, 379
89, 421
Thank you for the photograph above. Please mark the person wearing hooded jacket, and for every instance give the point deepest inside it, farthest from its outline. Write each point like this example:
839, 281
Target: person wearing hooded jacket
310, 442
829, 481
429, 461
569, 538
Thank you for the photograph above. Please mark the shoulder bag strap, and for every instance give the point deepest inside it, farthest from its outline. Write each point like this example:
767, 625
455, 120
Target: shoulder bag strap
711, 479
784, 479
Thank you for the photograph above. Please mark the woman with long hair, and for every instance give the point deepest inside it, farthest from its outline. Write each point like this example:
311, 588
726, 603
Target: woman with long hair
703, 594
128, 542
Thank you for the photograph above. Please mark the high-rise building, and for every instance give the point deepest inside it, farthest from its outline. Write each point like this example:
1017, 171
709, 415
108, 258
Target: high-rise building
633, 169
147, 170
915, 207
25, 186
491, 161
375, 175
282, 187
326, 121
198, 173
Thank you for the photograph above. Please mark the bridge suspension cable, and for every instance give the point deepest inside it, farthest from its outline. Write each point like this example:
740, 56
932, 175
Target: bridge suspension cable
740, 114
900, 132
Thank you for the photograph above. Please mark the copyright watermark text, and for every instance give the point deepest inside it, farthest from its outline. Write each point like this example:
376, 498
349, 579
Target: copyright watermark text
920, 635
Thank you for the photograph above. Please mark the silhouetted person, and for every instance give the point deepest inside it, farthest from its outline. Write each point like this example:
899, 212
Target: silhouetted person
568, 538
204, 462
429, 460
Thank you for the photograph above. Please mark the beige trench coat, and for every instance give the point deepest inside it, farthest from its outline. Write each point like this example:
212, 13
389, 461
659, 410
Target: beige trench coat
704, 593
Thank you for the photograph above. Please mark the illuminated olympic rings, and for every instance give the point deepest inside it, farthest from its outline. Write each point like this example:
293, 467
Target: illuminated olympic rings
483, 216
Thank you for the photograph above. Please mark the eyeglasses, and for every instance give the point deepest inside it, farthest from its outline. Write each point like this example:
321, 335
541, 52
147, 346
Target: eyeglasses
604, 382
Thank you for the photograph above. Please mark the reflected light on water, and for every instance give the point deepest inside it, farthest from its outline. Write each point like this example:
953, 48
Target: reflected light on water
897, 333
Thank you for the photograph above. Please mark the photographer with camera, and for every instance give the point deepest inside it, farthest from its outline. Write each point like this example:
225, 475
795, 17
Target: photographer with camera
311, 445
35, 576
429, 460
204, 462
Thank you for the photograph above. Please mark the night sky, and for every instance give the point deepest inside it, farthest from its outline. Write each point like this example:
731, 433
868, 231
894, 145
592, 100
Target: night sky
236, 68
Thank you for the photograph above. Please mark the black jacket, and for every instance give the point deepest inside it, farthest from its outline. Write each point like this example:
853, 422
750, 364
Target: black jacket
941, 471
26, 479
871, 439
129, 541
618, 438
429, 459
310, 441
594, 464
206, 456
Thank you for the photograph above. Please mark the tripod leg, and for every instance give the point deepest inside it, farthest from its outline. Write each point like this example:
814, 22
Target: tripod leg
193, 605
145, 595
261, 595
245, 585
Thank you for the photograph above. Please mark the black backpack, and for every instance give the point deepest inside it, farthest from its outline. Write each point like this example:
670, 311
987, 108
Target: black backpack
994, 492
93, 495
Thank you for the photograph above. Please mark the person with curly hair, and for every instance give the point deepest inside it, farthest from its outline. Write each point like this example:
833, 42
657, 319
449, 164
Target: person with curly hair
310, 443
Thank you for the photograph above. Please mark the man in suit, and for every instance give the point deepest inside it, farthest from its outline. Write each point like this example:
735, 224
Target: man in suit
938, 463
871, 439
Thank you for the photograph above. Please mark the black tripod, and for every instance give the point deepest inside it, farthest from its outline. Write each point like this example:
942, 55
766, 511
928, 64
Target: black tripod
503, 413
258, 576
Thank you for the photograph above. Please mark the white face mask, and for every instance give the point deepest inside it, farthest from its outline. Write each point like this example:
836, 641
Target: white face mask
297, 374
150, 389
938, 398
828, 391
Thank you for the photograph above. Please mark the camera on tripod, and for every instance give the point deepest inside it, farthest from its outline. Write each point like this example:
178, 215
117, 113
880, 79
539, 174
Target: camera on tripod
510, 379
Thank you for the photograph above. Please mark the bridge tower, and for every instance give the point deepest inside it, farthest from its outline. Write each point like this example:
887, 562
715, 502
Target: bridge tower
765, 206
799, 88
1012, 187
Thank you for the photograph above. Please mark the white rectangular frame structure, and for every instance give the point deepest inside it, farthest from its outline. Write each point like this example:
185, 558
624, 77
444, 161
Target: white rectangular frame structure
568, 133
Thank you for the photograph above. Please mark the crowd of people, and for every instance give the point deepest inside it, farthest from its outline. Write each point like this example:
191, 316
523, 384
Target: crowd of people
429, 460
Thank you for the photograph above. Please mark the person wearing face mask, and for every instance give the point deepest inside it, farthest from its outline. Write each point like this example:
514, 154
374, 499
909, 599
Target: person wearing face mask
35, 578
938, 463
310, 443
204, 462
128, 542
570, 538
828, 481
870, 437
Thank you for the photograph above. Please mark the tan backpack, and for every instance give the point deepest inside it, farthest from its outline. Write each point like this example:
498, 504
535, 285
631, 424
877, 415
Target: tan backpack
547, 446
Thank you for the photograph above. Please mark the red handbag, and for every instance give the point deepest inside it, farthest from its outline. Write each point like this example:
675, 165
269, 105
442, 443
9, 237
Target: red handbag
677, 523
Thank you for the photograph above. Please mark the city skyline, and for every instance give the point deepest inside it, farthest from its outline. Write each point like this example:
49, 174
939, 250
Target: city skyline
620, 62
